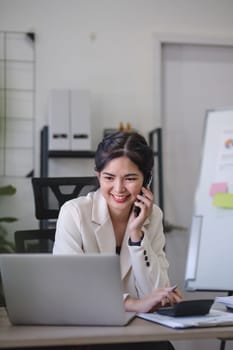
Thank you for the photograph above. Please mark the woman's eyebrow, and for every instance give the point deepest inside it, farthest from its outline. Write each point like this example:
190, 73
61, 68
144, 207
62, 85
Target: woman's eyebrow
132, 174
126, 175
106, 173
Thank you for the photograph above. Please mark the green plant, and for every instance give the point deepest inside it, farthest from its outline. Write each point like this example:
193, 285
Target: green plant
5, 245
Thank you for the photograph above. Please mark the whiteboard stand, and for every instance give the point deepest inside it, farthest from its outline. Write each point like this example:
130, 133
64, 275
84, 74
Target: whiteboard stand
210, 259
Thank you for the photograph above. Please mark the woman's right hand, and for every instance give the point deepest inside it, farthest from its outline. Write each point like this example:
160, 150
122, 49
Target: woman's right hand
159, 297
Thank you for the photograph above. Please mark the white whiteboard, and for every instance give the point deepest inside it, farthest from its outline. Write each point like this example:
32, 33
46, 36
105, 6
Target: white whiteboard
210, 255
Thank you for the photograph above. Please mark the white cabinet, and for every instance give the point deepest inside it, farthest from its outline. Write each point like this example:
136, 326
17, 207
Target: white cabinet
69, 120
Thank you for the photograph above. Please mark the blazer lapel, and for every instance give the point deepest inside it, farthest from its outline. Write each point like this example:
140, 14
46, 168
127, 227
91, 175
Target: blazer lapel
105, 238
104, 230
105, 234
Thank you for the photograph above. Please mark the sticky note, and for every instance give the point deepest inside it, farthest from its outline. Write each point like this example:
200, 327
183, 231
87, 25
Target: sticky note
218, 187
223, 200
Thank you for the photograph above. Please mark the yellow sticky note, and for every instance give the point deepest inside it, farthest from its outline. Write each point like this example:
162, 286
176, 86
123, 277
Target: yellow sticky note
223, 200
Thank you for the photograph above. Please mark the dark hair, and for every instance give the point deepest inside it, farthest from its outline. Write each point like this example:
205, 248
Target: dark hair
128, 144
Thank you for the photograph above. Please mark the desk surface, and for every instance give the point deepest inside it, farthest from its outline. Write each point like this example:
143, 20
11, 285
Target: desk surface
137, 331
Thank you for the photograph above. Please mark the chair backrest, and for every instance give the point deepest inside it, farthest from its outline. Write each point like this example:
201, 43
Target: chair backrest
34, 241
50, 193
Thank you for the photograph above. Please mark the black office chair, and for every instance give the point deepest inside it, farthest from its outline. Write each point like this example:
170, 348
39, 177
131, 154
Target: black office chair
50, 193
34, 241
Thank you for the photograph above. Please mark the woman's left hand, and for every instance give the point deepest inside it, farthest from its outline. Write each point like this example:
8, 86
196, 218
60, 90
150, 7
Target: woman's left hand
144, 202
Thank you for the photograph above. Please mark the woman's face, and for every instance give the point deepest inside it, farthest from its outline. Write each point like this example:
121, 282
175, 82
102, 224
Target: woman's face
120, 182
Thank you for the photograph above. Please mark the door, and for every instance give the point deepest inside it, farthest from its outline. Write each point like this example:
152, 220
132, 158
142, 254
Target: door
194, 78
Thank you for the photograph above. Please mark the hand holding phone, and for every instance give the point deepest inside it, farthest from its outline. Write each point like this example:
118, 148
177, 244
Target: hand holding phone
145, 184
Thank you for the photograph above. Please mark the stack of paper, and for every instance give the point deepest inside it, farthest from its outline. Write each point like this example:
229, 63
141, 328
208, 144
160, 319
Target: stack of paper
212, 319
227, 301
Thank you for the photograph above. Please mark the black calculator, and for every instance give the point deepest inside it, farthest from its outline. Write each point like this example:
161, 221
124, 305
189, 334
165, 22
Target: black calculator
187, 308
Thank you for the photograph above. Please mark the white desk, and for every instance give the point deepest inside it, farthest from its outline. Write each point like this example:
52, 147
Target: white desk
137, 331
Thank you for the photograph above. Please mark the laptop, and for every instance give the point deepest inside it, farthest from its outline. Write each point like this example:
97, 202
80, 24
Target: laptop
46, 289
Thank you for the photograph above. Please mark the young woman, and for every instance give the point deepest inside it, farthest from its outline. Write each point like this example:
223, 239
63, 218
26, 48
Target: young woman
120, 217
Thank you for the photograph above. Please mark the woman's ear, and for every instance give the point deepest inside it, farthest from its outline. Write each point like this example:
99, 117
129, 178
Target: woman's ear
97, 173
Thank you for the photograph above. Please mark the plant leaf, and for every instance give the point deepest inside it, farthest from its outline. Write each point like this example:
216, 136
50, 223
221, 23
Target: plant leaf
7, 190
8, 219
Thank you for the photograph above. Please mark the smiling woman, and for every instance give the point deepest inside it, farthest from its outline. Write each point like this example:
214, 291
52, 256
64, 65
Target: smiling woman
104, 221
121, 182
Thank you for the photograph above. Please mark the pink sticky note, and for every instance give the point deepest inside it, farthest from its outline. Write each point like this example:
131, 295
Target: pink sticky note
218, 187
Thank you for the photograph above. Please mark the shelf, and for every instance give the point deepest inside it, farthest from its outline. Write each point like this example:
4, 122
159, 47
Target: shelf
155, 142
17, 90
71, 154
12, 60
46, 153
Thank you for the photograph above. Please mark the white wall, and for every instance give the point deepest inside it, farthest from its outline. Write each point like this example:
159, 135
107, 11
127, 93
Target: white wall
106, 46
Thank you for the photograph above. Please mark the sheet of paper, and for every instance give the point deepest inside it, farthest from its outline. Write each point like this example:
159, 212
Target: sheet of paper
227, 301
212, 319
224, 164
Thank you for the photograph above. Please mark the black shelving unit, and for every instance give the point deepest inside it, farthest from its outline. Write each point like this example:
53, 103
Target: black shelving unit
45, 153
155, 142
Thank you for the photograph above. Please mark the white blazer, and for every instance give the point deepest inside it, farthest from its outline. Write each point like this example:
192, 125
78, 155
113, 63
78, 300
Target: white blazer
84, 226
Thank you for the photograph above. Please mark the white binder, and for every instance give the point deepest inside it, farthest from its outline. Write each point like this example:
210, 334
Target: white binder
69, 120
59, 120
80, 120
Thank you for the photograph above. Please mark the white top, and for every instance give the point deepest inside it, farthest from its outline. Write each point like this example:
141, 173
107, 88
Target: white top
84, 226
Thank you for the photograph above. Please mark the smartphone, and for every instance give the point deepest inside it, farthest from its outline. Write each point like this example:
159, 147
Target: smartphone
145, 184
